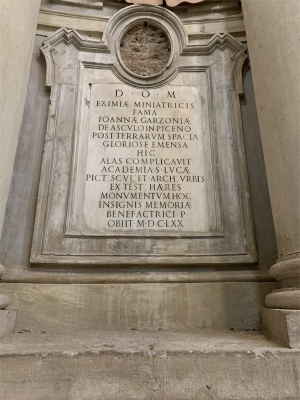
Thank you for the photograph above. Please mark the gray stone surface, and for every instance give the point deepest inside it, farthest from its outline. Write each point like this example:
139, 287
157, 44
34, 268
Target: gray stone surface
71, 307
19, 219
282, 326
268, 32
90, 17
145, 49
262, 214
18, 25
4, 301
158, 366
7, 321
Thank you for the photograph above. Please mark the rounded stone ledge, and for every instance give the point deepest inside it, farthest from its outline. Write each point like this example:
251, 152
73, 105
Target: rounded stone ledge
285, 299
4, 301
2, 270
285, 270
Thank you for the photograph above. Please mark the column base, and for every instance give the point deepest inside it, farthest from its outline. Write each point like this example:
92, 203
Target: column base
288, 296
282, 326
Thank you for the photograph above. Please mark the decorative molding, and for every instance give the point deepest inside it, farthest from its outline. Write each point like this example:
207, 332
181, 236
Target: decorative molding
200, 22
74, 64
188, 276
218, 41
95, 4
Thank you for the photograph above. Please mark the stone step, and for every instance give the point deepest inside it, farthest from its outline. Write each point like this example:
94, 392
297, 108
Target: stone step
158, 365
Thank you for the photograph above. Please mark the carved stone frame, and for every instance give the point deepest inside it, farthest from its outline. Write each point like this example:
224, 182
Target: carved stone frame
68, 57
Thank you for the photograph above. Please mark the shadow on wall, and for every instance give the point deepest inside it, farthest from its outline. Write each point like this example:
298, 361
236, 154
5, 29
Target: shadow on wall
261, 207
243, 306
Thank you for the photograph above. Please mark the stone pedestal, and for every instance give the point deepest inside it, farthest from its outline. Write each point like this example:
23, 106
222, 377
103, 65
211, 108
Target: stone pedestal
273, 37
282, 326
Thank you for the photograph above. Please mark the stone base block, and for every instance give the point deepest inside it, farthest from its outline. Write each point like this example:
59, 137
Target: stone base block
7, 321
147, 365
282, 326
155, 306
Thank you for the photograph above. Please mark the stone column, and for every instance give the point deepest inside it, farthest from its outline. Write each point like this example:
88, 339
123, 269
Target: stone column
18, 20
273, 33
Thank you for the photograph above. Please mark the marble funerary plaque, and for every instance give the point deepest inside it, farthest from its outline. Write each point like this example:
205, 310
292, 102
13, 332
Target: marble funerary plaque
143, 168
141, 163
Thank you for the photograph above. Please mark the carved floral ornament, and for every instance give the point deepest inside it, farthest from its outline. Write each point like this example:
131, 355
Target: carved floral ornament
170, 3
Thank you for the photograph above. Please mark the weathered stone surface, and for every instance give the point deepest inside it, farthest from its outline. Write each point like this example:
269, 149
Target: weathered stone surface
4, 301
170, 3
18, 229
7, 321
176, 375
92, 20
288, 274
273, 37
145, 49
18, 24
20, 211
67, 307
215, 227
282, 326
16, 240
135, 365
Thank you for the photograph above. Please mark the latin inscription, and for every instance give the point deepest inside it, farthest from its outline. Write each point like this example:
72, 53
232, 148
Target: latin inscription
145, 167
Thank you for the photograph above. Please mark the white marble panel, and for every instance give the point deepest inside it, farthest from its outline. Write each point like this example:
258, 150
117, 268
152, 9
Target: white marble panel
141, 163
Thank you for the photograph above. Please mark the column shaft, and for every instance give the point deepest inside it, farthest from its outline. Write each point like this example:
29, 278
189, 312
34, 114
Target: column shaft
18, 20
273, 33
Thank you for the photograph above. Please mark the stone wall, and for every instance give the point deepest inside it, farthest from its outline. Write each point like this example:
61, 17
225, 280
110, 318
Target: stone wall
145, 49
